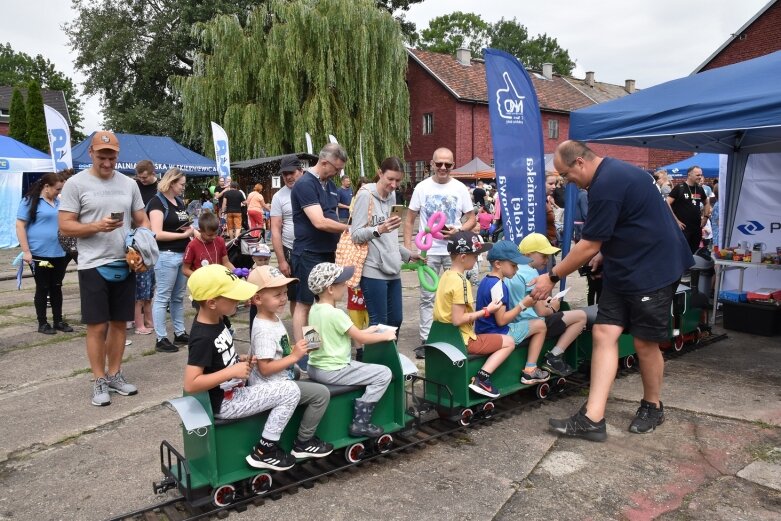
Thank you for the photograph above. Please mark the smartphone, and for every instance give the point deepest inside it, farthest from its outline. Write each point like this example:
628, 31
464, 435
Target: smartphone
185, 225
397, 210
117, 216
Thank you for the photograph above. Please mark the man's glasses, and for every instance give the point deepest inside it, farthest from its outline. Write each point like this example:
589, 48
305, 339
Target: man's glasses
333, 165
442, 164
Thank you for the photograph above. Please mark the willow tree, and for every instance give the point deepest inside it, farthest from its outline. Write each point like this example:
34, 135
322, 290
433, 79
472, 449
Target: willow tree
323, 67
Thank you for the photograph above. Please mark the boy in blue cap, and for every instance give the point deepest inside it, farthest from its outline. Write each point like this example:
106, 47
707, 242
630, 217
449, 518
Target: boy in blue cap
505, 259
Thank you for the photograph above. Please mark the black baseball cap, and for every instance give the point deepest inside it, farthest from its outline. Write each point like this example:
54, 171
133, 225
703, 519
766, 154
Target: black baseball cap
289, 164
466, 242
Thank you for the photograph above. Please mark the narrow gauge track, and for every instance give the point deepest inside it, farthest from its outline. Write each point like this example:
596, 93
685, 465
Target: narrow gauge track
308, 473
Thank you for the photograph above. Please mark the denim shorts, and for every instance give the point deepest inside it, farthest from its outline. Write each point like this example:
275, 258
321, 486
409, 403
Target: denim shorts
302, 266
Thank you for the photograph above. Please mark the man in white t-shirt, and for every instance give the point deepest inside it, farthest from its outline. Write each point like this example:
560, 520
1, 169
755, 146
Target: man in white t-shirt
442, 193
282, 231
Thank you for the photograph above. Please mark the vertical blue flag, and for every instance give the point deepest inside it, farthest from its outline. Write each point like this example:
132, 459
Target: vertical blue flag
516, 133
59, 139
221, 150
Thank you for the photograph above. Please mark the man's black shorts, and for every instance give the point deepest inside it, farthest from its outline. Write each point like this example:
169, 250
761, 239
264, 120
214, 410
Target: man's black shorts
103, 301
302, 265
645, 316
555, 324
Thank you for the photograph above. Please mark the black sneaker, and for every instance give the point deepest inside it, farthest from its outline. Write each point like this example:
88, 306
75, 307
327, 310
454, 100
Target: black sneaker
580, 426
63, 326
312, 448
46, 329
165, 346
182, 339
647, 418
272, 458
556, 364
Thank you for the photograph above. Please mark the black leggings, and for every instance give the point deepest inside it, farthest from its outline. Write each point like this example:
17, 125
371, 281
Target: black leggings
48, 282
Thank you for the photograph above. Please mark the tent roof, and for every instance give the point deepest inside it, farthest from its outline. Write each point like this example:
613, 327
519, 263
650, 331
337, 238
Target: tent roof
260, 162
709, 163
163, 151
737, 107
475, 166
13, 149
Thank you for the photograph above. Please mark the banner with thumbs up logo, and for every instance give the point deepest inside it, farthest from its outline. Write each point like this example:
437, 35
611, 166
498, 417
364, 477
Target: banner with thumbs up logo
516, 134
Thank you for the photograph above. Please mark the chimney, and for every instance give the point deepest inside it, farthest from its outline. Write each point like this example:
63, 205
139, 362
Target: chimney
547, 71
464, 56
590, 78
629, 86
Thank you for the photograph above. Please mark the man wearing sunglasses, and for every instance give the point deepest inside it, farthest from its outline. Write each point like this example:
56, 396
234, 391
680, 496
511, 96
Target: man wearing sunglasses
438, 193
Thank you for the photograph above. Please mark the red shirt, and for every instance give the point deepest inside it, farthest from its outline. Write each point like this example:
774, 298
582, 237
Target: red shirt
199, 253
355, 300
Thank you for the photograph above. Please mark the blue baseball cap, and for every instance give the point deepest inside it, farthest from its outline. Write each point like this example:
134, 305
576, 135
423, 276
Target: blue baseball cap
507, 250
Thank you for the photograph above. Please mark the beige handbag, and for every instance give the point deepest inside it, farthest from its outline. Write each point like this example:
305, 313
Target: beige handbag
348, 253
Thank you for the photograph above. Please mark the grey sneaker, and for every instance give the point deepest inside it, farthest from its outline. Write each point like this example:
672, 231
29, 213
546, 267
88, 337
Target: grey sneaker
117, 384
537, 376
100, 396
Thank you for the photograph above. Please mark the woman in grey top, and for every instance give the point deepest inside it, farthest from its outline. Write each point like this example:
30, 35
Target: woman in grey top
381, 277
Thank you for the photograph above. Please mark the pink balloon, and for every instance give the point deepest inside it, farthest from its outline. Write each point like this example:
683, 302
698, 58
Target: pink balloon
424, 240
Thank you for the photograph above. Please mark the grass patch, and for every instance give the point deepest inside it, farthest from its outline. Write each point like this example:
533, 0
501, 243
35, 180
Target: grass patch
148, 352
763, 425
54, 339
766, 453
78, 372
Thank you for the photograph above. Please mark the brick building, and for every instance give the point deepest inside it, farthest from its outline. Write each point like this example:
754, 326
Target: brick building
449, 108
53, 98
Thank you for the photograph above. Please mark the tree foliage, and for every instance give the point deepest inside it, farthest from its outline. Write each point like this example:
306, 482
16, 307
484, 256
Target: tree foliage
36, 119
17, 123
447, 33
323, 67
17, 69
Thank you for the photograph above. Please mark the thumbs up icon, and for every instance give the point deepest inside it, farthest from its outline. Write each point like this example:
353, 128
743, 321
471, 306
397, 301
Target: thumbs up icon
509, 101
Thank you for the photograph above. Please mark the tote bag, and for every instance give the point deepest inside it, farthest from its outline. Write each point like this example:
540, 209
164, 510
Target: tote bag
349, 253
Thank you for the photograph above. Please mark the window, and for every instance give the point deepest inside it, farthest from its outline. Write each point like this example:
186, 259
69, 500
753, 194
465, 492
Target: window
407, 168
428, 123
492, 163
420, 169
553, 129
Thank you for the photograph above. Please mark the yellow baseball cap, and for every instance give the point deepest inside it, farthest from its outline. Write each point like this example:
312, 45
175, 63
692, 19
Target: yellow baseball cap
215, 280
537, 242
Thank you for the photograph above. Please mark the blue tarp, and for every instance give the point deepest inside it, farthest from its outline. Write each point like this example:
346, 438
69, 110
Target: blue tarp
163, 151
733, 108
709, 163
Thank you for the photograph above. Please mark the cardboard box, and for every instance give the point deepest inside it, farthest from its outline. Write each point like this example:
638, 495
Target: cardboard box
764, 294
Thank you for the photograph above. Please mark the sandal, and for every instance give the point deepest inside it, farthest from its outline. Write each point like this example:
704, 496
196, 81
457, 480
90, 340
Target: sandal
143, 331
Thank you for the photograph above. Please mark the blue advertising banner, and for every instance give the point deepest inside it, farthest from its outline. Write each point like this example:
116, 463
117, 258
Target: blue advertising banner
516, 133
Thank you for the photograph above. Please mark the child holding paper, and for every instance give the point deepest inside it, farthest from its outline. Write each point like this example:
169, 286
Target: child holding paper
505, 259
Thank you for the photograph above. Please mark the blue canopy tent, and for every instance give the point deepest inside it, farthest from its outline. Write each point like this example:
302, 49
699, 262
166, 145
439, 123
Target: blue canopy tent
709, 163
733, 110
163, 151
16, 159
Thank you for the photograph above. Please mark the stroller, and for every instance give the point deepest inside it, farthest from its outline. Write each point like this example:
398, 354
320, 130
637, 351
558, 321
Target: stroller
240, 249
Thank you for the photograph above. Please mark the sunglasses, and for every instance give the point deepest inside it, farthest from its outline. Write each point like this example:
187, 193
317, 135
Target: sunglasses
443, 164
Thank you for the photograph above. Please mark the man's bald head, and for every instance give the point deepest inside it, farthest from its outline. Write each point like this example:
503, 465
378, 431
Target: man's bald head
576, 162
570, 150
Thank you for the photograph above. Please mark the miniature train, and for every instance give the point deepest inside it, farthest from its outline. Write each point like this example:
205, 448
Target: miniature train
212, 468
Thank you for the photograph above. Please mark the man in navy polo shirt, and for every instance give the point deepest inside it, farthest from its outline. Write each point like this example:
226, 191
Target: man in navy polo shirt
317, 228
631, 231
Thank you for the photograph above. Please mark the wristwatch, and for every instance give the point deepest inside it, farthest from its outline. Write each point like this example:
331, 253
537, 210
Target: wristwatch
376, 232
553, 277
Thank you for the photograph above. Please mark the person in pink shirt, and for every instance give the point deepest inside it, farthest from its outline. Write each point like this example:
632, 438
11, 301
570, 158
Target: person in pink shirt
256, 204
484, 218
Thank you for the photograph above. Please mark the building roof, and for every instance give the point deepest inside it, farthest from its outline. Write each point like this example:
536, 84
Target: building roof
737, 35
468, 83
53, 98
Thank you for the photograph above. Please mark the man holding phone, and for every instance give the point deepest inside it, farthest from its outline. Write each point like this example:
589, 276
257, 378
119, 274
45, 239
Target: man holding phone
438, 193
96, 207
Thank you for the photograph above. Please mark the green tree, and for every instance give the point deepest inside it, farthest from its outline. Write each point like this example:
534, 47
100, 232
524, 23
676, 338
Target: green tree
326, 67
36, 119
18, 117
18, 69
450, 32
512, 37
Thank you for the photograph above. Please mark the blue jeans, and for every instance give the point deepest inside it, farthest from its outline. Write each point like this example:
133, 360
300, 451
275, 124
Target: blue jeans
171, 286
383, 301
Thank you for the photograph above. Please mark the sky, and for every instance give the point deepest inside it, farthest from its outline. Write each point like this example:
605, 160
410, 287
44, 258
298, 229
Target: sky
649, 42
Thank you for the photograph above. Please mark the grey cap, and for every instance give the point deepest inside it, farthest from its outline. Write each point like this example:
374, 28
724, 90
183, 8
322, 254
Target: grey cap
327, 274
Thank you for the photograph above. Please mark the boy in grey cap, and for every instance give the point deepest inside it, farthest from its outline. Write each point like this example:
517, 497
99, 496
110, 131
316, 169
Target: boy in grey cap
331, 363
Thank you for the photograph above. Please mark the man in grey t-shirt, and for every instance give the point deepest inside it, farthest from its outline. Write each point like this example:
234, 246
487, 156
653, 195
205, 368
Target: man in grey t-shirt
97, 206
282, 235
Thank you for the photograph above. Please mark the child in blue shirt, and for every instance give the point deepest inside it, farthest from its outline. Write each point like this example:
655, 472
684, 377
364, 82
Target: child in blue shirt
505, 259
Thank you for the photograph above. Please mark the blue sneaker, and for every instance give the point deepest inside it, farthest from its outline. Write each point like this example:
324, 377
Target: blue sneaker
484, 387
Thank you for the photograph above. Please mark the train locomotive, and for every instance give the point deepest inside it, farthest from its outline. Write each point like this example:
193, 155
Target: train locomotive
212, 468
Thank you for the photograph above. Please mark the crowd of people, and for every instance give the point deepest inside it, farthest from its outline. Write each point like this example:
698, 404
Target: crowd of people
102, 207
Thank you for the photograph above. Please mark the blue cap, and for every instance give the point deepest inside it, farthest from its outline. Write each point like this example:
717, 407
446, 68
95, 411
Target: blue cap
507, 250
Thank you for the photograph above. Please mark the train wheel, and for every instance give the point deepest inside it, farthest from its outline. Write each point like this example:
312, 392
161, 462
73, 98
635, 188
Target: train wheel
628, 362
224, 496
466, 417
260, 484
488, 409
678, 343
354, 452
561, 382
384, 443
543, 390
698, 335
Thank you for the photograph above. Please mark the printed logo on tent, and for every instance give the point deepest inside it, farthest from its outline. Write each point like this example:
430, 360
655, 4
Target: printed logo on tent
750, 228
4, 164
509, 102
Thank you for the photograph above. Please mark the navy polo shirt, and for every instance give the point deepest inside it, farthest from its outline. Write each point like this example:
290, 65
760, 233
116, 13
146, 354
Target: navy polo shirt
642, 245
309, 191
